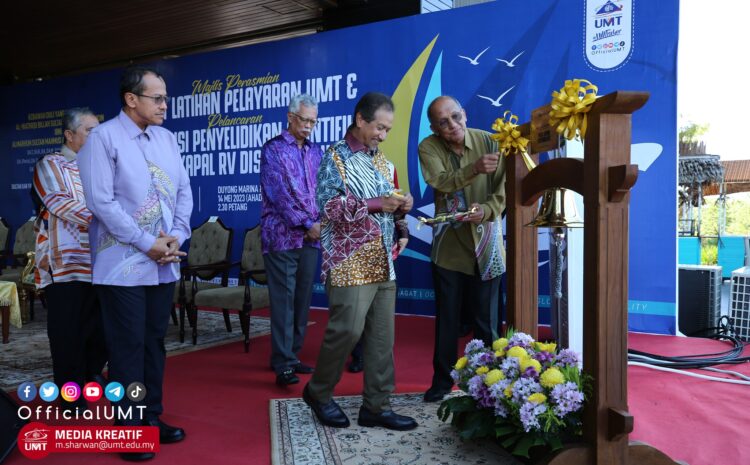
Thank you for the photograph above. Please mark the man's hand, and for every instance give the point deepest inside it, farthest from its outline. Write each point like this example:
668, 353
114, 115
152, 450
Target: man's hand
392, 203
408, 203
487, 163
161, 247
399, 247
166, 249
313, 234
476, 217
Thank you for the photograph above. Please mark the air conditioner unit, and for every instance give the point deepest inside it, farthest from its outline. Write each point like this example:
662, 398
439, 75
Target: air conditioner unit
700, 298
740, 302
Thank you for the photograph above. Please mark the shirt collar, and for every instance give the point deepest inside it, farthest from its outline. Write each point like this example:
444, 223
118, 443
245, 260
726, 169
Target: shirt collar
68, 153
289, 138
132, 129
354, 144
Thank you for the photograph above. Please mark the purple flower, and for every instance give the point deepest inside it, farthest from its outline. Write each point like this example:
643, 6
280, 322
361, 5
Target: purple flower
474, 385
510, 367
479, 392
567, 357
473, 346
544, 358
481, 359
529, 414
523, 388
566, 398
530, 372
520, 339
455, 375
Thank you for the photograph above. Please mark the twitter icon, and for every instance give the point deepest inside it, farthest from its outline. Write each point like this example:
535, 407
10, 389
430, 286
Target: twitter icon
48, 391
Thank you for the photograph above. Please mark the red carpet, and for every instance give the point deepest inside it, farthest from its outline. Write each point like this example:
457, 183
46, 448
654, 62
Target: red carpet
220, 396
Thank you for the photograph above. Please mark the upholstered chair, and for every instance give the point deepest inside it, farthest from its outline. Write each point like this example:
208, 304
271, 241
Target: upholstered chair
208, 260
251, 292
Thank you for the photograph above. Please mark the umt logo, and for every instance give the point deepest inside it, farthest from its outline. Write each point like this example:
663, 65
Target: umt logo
607, 22
33, 440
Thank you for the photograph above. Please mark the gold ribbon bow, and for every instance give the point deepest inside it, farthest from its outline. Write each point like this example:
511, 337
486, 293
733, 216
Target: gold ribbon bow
507, 135
509, 139
569, 107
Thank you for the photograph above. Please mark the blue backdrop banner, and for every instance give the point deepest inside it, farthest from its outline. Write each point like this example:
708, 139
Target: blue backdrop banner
492, 57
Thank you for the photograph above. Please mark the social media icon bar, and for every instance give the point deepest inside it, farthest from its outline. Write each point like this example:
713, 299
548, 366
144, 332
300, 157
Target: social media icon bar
27, 392
92, 392
70, 392
48, 391
114, 391
136, 391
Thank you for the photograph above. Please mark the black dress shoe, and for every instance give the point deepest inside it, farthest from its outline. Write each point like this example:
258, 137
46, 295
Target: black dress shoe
167, 434
303, 369
137, 456
287, 377
357, 365
387, 419
435, 394
330, 414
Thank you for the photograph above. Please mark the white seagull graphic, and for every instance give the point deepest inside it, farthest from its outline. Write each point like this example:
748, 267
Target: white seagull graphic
510, 63
496, 102
474, 61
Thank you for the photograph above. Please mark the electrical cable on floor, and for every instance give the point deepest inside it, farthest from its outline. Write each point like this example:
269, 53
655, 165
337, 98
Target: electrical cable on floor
676, 364
690, 373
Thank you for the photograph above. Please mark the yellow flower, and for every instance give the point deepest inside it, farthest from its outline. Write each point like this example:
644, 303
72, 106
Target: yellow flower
537, 398
461, 363
509, 390
493, 377
518, 352
542, 347
530, 362
500, 344
500, 353
551, 377
482, 370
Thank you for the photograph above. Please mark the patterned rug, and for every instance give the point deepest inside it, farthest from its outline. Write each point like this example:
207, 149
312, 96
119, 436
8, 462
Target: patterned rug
297, 438
27, 358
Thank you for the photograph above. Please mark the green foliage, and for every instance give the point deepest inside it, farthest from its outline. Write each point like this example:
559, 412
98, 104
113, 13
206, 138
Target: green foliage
737, 220
692, 132
709, 254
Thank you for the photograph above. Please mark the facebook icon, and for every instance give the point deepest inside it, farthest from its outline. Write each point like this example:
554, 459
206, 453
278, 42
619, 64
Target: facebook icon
27, 392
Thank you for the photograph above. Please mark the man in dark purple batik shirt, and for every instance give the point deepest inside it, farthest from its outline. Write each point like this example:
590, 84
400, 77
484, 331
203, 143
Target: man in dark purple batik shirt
290, 233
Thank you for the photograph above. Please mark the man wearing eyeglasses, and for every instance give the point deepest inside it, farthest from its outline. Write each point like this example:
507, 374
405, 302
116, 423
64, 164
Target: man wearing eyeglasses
467, 174
290, 233
139, 193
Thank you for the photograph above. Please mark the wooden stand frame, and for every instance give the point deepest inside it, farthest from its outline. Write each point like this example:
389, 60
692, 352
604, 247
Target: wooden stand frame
604, 178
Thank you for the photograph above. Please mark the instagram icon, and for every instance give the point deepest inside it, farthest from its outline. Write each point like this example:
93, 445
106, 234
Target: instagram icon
70, 392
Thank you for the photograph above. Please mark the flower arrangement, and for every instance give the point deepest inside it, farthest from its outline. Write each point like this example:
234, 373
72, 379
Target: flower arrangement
523, 392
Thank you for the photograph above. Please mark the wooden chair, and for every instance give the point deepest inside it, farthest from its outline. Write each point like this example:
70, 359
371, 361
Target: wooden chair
4, 242
23, 245
249, 294
208, 257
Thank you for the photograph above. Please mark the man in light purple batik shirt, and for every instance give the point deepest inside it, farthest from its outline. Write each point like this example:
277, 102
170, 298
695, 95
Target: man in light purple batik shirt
139, 193
290, 233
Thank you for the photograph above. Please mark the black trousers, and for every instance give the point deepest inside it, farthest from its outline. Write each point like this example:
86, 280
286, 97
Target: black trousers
74, 328
482, 298
135, 322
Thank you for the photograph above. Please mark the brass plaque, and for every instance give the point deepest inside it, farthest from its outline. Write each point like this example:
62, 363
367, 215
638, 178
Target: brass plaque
543, 136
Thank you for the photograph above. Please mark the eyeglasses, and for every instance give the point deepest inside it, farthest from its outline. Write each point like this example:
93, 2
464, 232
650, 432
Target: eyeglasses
158, 99
456, 117
311, 122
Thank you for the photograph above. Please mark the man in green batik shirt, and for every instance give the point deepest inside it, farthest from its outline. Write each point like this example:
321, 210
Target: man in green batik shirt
466, 172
